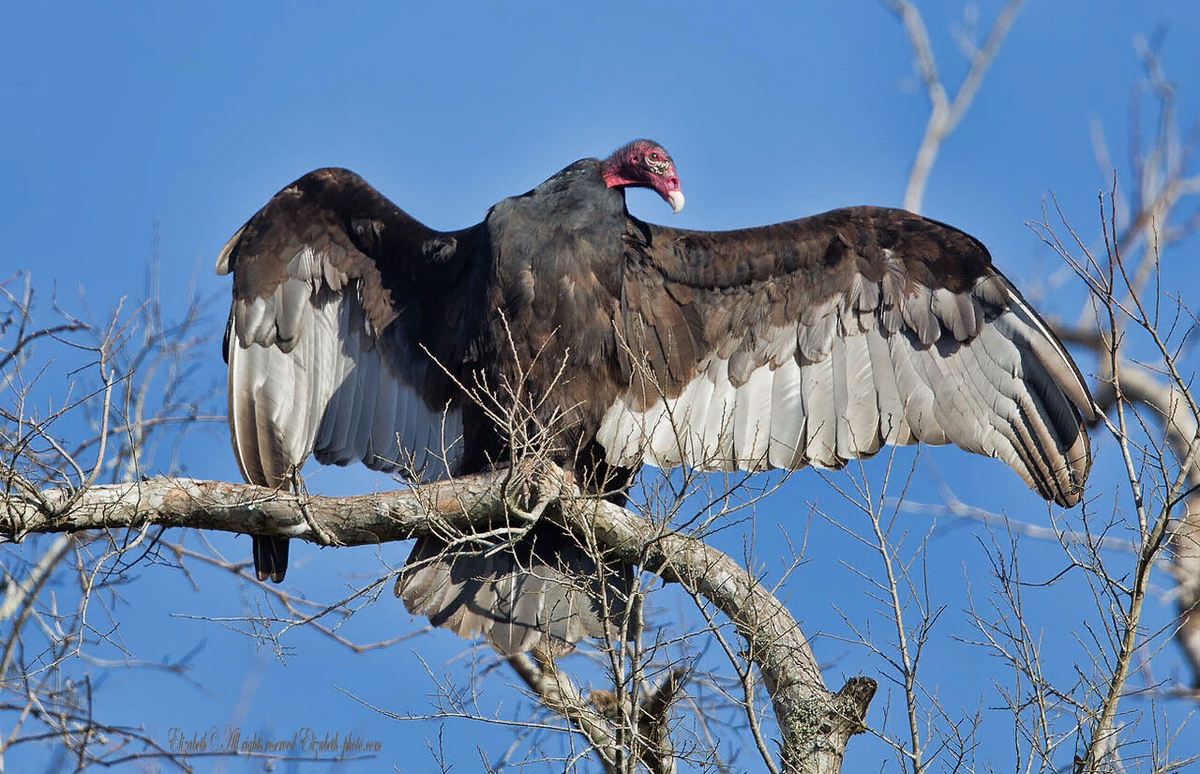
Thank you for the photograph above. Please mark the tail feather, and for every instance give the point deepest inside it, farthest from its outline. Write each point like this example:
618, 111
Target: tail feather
543, 591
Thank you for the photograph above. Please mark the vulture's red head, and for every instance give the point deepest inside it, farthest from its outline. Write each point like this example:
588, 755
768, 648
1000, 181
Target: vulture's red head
644, 164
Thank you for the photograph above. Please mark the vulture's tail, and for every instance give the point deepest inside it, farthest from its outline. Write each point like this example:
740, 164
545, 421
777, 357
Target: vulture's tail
543, 590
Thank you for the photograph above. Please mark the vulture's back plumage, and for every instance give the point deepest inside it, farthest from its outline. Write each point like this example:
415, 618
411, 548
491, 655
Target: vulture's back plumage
357, 333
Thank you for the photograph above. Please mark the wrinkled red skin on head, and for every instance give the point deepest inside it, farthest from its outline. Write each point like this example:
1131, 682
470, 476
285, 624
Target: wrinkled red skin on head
642, 164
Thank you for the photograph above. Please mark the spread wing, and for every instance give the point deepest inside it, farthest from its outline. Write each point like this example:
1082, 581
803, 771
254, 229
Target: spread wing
335, 316
818, 341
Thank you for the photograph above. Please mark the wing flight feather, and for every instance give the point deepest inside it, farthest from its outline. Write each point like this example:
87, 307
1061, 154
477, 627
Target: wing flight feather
316, 293
815, 342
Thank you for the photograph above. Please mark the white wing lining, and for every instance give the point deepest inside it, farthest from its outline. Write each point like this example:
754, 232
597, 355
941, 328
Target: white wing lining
1006, 391
306, 376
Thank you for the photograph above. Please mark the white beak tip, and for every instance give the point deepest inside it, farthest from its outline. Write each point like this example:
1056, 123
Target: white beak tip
675, 199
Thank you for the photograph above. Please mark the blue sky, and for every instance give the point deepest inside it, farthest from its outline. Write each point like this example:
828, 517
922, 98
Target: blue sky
120, 123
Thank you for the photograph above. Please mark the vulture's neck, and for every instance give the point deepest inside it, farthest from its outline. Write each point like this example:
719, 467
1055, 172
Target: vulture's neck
612, 170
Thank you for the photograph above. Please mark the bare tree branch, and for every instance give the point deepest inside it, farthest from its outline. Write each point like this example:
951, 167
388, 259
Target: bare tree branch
815, 724
944, 112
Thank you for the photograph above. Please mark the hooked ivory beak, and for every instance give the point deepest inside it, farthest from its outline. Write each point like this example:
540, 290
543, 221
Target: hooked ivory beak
675, 199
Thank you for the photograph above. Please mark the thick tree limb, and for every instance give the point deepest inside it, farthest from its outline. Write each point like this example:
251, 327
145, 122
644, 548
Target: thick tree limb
243, 508
814, 723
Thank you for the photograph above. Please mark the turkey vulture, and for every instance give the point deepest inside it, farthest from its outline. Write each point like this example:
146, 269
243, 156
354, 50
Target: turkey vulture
359, 334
